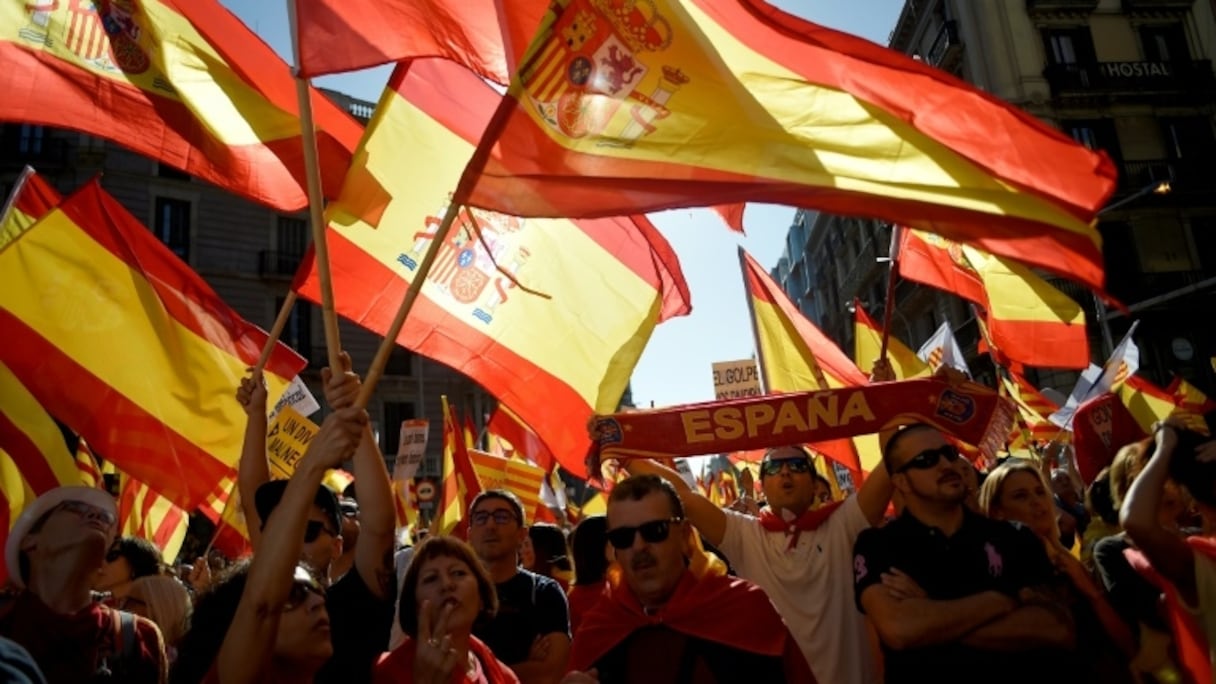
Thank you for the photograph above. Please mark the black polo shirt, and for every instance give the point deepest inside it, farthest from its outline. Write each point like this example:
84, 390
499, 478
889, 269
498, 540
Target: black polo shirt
982, 555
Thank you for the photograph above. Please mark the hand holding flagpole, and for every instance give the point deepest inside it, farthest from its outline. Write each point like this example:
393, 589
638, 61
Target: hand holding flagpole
892, 275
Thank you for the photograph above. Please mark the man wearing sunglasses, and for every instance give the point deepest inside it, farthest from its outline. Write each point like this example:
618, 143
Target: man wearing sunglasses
799, 553
950, 592
530, 633
665, 624
53, 553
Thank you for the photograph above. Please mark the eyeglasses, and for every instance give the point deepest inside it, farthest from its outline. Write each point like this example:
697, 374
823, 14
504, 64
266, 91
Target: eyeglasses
303, 584
85, 510
929, 458
501, 517
314, 530
796, 466
652, 532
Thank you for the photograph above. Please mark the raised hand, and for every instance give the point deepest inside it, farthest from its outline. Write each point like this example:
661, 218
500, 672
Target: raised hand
435, 659
339, 435
883, 371
341, 388
251, 395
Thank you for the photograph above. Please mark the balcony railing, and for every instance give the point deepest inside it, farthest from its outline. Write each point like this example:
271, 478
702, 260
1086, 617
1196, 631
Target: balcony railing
1157, 5
1184, 175
946, 48
278, 264
1132, 78
1048, 6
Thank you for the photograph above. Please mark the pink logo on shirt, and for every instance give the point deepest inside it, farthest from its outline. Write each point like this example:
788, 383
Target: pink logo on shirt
859, 567
995, 564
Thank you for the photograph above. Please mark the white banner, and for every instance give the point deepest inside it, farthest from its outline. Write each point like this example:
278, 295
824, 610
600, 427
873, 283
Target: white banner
685, 471
736, 379
298, 397
411, 448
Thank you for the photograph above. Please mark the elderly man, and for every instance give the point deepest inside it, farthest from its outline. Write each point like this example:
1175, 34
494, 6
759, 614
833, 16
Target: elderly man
53, 554
663, 624
955, 596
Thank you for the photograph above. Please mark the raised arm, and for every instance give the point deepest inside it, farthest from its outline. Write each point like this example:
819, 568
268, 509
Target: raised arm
704, 515
1168, 553
253, 470
249, 644
377, 516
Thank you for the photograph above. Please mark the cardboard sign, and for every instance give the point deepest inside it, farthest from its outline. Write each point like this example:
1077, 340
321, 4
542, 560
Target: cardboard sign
411, 448
736, 379
287, 440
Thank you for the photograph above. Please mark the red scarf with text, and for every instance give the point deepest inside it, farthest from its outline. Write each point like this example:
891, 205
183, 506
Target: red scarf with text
810, 520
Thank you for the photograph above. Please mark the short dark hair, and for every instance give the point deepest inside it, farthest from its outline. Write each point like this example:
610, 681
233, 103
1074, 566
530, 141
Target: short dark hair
587, 546
144, 557
638, 487
209, 622
888, 449
442, 547
1099, 500
269, 494
502, 495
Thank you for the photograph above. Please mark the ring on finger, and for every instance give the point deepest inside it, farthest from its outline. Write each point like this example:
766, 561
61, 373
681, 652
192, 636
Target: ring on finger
433, 643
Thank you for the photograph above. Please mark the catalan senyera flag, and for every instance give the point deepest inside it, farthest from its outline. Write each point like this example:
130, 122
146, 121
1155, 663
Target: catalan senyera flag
223, 509
622, 106
521, 479
128, 347
555, 357
460, 484
506, 427
796, 356
1028, 320
1033, 408
181, 81
345, 35
867, 347
86, 465
144, 513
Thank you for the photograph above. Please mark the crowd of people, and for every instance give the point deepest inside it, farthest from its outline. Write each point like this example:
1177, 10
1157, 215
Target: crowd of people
931, 571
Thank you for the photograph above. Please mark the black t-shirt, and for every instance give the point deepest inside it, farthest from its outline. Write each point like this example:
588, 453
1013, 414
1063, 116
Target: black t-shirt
1132, 596
529, 605
982, 555
359, 627
658, 655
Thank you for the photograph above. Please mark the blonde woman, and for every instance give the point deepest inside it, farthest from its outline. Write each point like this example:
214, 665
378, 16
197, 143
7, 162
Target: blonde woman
163, 600
1017, 492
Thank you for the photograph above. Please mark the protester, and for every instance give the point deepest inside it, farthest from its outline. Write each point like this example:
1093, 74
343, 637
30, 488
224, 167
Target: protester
954, 596
589, 546
350, 536
127, 560
531, 630
53, 553
1103, 518
445, 591
665, 624
280, 631
1017, 492
360, 602
544, 552
165, 601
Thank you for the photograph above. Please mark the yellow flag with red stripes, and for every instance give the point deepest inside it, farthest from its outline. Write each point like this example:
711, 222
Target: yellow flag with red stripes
146, 514
867, 348
518, 477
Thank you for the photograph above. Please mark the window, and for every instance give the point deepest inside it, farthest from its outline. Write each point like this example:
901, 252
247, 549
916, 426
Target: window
400, 362
1162, 245
297, 333
1203, 230
1069, 46
172, 225
291, 236
30, 138
394, 413
1096, 134
163, 170
1164, 43
1189, 138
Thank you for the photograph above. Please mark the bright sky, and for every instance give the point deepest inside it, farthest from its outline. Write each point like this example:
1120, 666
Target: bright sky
676, 367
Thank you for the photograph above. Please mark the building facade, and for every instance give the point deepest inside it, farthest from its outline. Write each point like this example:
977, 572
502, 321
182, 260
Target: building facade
248, 254
1133, 78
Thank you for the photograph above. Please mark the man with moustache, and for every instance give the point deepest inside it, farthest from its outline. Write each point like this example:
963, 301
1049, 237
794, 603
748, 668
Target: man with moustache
955, 596
662, 623
531, 631
53, 553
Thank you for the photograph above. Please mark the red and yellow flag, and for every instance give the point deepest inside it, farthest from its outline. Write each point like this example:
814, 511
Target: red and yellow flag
86, 465
181, 81
867, 347
128, 347
1147, 402
796, 356
144, 513
1193, 403
460, 484
521, 479
515, 438
31, 199
625, 107
556, 357
1028, 320
223, 509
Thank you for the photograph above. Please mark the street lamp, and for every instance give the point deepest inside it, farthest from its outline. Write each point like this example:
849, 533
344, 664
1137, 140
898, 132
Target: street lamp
1154, 188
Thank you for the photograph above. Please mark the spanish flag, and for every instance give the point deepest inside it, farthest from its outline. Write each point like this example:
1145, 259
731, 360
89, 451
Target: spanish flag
867, 346
624, 107
223, 509
796, 356
181, 81
146, 514
31, 199
557, 353
1194, 403
510, 434
1028, 320
1147, 402
128, 347
460, 483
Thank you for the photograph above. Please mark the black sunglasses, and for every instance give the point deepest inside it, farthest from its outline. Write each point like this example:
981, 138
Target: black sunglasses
314, 530
303, 584
652, 532
799, 464
501, 517
929, 458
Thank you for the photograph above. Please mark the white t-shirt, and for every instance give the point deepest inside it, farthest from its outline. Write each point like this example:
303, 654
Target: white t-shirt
811, 586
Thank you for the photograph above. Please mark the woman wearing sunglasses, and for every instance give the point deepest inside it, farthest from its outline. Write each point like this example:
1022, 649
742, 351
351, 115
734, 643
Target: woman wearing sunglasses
280, 632
444, 592
1016, 491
